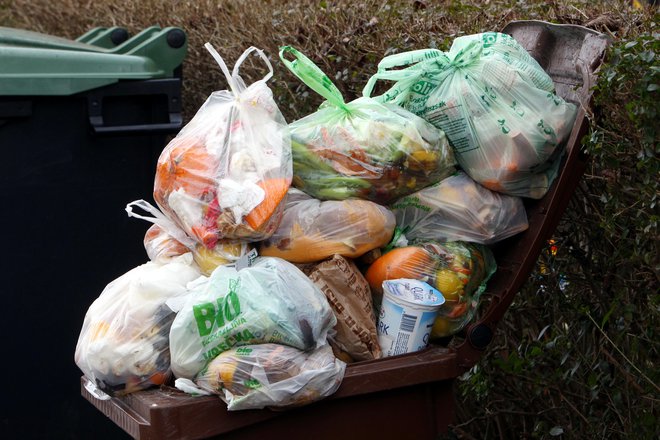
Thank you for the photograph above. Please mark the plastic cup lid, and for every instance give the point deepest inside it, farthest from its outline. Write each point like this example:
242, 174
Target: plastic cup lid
414, 291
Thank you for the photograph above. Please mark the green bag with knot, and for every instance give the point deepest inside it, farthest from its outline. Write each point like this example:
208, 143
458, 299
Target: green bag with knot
495, 103
362, 149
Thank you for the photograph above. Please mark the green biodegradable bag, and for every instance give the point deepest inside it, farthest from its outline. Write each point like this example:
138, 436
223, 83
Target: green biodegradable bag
271, 301
365, 148
494, 102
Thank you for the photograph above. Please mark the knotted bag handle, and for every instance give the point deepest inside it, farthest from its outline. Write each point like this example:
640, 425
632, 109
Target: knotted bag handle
405, 59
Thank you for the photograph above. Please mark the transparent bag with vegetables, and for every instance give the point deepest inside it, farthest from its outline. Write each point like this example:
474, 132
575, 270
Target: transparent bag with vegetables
226, 173
362, 149
459, 270
312, 230
272, 375
123, 345
496, 104
165, 240
458, 208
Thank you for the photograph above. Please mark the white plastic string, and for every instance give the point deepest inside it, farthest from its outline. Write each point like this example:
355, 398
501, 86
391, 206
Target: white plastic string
236, 83
261, 54
214, 53
161, 220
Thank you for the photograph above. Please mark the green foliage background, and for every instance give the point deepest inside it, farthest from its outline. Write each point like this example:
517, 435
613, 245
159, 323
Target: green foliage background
576, 356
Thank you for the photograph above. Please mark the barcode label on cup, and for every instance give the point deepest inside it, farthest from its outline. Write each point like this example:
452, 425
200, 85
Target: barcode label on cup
408, 323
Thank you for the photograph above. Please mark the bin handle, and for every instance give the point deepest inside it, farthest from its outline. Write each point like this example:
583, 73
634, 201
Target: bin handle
170, 87
99, 127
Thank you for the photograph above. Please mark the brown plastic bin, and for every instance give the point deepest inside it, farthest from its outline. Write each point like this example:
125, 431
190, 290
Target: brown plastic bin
407, 396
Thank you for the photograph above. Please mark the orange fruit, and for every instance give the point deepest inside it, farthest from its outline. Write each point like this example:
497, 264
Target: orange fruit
406, 262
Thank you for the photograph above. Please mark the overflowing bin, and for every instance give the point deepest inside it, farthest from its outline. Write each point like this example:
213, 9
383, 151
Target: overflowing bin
401, 396
81, 126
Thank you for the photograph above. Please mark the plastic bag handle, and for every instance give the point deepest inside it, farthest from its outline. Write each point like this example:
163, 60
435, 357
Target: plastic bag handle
312, 76
244, 56
161, 220
400, 60
236, 83
230, 79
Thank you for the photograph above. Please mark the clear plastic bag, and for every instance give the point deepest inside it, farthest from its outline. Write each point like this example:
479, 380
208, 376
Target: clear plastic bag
497, 106
362, 149
272, 375
123, 345
457, 209
165, 240
459, 270
312, 230
271, 301
226, 173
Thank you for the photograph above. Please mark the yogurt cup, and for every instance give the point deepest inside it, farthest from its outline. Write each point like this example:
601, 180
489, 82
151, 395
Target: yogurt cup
406, 317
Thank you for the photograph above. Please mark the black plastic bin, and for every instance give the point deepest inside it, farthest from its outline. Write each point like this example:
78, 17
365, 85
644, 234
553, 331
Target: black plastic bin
81, 128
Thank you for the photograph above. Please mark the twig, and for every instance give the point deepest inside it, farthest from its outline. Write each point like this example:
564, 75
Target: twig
583, 14
621, 353
568, 402
629, 378
462, 433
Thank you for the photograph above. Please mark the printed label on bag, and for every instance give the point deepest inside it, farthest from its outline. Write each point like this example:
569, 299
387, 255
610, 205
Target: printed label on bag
450, 120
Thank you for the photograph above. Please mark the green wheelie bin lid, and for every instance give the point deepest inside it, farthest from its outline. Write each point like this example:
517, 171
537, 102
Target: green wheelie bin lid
38, 64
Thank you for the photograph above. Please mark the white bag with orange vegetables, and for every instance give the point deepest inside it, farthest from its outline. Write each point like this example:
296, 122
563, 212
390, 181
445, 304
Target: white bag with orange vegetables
226, 173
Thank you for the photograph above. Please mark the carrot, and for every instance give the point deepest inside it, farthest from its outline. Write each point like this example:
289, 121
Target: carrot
275, 191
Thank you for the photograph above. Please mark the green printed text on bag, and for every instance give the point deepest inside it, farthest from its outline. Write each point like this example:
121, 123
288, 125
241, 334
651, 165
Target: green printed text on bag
268, 302
208, 315
494, 102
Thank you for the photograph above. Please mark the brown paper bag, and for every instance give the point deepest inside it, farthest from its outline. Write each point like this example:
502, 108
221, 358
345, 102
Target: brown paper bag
349, 296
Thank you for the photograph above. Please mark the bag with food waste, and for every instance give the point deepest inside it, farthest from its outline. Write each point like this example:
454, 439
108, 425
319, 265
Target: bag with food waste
270, 301
459, 209
164, 240
272, 375
496, 104
123, 345
364, 149
459, 270
312, 230
226, 173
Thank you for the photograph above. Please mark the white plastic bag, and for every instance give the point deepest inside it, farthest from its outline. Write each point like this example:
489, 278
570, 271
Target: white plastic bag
459, 209
226, 173
164, 240
272, 375
270, 301
123, 345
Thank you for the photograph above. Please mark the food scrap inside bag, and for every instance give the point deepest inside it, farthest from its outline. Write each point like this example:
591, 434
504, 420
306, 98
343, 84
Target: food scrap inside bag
226, 173
165, 240
123, 345
495, 103
272, 375
271, 301
363, 149
312, 230
458, 209
350, 297
459, 270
